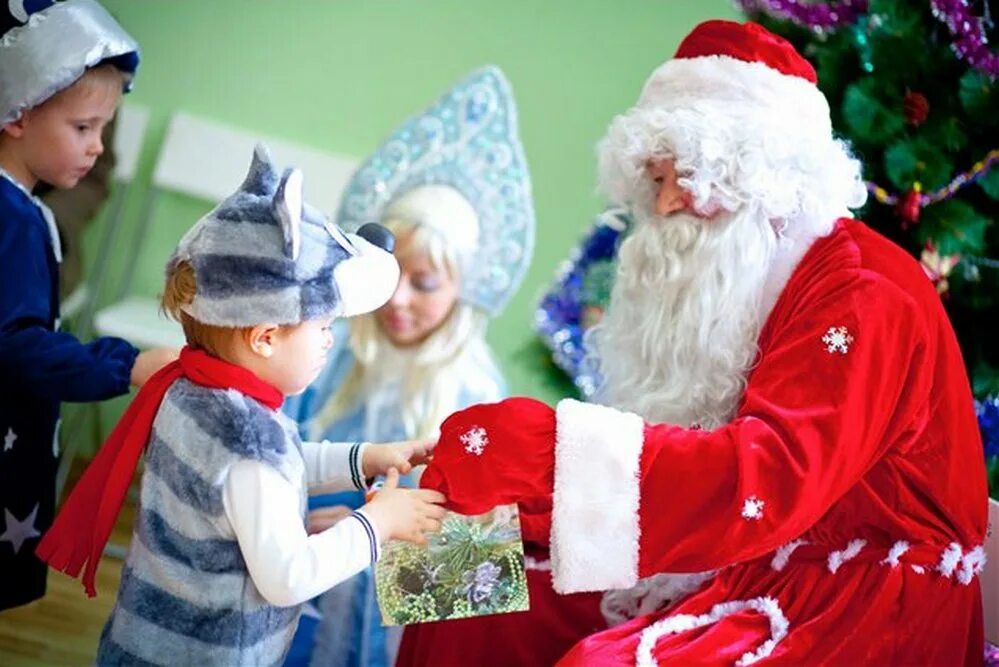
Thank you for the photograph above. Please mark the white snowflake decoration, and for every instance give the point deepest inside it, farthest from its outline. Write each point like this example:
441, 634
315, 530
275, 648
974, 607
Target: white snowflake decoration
837, 339
752, 509
475, 440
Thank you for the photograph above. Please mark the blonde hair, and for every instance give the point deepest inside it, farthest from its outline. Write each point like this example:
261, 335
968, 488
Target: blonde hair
181, 287
103, 79
452, 355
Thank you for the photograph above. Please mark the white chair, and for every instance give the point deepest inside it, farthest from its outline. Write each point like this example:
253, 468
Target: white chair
207, 160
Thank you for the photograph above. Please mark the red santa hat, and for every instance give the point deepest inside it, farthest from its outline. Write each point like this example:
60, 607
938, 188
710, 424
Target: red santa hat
748, 42
730, 63
738, 63
739, 108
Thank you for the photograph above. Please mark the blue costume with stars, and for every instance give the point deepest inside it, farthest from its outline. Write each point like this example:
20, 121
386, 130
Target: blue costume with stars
45, 46
39, 368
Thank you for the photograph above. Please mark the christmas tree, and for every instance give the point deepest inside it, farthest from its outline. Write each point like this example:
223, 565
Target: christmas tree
911, 85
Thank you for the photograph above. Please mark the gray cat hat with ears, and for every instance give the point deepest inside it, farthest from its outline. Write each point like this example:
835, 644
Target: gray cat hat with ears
265, 256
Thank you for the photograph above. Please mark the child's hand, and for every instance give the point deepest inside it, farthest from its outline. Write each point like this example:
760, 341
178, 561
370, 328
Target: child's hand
150, 361
402, 456
405, 514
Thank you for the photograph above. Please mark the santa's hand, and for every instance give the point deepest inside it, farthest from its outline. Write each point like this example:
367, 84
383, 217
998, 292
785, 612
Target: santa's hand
494, 454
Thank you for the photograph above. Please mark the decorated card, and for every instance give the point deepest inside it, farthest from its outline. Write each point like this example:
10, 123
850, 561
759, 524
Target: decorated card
473, 567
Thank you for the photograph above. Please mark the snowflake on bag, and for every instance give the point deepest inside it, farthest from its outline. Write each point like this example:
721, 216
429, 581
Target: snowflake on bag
752, 509
837, 339
475, 440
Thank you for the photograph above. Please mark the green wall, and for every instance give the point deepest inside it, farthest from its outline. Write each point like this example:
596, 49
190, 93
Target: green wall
341, 74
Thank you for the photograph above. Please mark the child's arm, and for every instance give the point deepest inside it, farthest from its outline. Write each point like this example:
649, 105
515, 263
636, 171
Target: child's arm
287, 565
57, 366
40, 362
338, 465
335, 466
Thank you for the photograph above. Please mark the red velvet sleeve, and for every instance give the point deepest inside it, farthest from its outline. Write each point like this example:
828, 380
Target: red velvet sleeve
839, 379
834, 386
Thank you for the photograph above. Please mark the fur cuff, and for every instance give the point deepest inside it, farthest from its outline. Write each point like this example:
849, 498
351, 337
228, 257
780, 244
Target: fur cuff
594, 539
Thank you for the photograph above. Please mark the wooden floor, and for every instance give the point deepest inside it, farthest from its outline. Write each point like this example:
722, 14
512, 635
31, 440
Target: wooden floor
63, 627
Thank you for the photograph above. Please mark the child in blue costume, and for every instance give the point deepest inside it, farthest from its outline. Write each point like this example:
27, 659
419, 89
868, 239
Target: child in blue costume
63, 68
462, 213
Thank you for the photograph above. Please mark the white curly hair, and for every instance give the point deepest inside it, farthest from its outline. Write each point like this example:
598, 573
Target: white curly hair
756, 151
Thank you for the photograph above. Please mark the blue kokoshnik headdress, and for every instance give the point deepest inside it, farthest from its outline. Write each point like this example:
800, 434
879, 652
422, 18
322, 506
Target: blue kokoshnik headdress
45, 46
468, 140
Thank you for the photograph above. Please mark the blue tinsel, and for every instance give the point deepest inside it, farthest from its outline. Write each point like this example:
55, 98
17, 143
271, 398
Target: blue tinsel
559, 316
988, 421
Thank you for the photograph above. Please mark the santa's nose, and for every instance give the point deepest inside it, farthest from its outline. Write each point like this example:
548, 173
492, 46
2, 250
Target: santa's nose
670, 198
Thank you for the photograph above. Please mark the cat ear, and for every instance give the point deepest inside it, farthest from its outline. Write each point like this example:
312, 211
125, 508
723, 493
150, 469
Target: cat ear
288, 208
261, 178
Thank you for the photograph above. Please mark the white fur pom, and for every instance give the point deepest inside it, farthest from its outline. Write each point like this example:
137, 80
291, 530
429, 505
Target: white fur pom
837, 558
783, 554
950, 559
895, 553
972, 563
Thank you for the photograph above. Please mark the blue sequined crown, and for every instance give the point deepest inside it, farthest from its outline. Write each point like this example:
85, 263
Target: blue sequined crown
468, 140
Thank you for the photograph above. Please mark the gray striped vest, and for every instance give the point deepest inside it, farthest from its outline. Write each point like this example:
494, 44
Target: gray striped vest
186, 597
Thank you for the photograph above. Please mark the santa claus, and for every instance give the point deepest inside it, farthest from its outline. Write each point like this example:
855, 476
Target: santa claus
784, 401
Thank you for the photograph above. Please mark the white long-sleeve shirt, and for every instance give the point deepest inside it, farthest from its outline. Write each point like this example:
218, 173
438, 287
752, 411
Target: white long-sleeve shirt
287, 565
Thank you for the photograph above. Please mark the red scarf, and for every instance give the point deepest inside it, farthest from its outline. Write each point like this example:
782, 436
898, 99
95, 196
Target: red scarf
84, 524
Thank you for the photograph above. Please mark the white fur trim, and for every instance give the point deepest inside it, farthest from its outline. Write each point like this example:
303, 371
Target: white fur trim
650, 595
783, 554
918, 569
532, 563
972, 563
895, 553
672, 625
949, 559
688, 82
594, 538
837, 558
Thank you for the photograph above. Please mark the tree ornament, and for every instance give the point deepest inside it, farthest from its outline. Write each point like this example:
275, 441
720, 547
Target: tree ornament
909, 205
861, 35
916, 107
938, 267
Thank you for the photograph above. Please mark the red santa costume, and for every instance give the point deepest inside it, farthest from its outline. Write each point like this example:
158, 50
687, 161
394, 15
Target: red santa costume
785, 400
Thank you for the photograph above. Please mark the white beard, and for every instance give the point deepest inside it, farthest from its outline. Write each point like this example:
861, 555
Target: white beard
680, 336
689, 300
